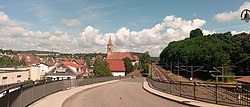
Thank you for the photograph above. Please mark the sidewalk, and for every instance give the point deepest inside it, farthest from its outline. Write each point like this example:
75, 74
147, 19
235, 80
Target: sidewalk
57, 99
182, 100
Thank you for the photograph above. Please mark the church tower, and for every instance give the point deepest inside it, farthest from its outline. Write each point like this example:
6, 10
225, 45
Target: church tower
109, 46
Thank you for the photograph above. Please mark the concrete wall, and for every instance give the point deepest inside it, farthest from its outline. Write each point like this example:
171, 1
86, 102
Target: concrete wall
10, 77
35, 73
118, 73
16, 68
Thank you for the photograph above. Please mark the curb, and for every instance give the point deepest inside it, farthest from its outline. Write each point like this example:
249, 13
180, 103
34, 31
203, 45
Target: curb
180, 102
151, 90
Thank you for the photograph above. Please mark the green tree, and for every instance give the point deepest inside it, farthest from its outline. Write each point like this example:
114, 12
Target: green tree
7, 61
145, 61
101, 68
145, 57
195, 33
145, 67
128, 65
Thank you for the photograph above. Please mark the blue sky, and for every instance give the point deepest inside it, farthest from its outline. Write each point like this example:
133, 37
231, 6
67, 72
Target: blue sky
71, 18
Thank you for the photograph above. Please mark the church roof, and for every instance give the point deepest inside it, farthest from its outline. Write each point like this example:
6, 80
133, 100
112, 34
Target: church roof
116, 65
122, 55
110, 42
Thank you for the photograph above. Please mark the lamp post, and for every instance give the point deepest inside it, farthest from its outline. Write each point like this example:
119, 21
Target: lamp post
245, 15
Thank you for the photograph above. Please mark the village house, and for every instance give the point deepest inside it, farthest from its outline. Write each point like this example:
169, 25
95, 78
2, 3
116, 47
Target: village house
245, 82
115, 60
45, 68
11, 75
66, 70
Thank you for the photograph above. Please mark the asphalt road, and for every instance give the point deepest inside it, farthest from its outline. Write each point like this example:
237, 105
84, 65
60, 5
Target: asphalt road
125, 93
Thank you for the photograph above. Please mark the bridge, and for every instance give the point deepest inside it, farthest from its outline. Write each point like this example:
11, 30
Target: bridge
159, 91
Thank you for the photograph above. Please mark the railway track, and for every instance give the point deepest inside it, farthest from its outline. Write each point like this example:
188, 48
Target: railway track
202, 90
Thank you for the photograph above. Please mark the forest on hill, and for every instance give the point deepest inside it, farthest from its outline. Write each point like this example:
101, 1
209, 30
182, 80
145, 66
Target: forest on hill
215, 50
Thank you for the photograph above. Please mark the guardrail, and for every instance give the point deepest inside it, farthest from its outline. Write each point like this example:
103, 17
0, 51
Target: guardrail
24, 94
225, 94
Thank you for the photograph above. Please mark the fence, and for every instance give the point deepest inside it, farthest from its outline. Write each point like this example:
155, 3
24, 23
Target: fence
23, 94
226, 94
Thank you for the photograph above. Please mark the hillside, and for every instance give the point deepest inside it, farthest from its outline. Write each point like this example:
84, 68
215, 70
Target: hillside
216, 50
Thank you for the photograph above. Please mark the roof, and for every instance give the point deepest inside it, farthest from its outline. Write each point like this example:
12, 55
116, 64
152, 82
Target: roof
79, 61
79, 73
110, 42
116, 65
122, 55
68, 63
136, 57
244, 79
49, 64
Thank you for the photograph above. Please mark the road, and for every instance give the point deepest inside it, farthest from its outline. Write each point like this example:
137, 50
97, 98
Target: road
125, 93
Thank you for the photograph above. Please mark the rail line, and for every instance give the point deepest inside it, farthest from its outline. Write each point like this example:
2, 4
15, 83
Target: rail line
205, 90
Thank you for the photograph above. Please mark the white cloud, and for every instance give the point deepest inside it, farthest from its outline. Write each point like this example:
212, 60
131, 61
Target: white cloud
4, 20
71, 22
154, 40
231, 15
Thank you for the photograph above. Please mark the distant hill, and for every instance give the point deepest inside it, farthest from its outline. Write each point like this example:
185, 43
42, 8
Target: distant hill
36, 52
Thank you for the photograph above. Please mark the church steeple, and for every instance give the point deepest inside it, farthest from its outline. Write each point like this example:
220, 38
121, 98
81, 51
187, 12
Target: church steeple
109, 46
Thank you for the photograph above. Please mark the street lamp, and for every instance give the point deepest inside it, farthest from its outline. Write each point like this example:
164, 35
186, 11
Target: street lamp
246, 16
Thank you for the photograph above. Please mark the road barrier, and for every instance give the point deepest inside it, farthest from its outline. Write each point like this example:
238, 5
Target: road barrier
24, 94
225, 94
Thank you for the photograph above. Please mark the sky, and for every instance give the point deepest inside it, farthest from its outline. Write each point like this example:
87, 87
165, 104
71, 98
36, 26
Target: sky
84, 26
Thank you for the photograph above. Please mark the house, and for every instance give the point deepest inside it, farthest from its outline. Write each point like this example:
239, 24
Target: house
66, 70
45, 68
11, 75
79, 61
117, 67
115, 60
244, 82
122, 55
28, 59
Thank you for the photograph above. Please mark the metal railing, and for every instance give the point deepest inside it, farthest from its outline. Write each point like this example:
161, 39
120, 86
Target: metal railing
24, 94
225, 94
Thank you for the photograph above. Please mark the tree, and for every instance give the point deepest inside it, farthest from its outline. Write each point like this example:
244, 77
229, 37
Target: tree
101, 68
145, 67
128, 65
145, 58
216, 50
195, 33
7, 61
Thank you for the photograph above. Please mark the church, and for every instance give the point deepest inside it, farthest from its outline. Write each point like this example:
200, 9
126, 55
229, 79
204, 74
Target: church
115, 60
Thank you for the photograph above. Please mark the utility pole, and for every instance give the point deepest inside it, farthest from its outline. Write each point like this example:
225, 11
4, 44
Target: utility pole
171, 69
191, 78
178, 67
190, 69
223, 68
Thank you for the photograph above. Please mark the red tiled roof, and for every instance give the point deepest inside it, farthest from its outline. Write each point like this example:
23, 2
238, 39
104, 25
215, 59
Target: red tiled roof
244, 79
122, 55
79, 61
67, 63
136, 57
116, 65
79, 73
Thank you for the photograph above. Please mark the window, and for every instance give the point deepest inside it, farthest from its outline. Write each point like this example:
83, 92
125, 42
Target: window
19, 78
4, 80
